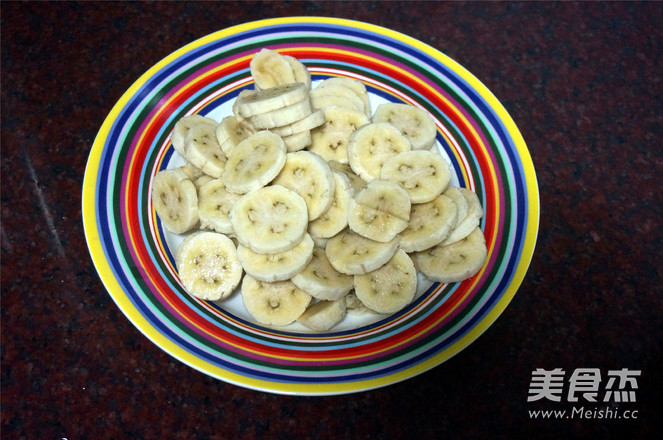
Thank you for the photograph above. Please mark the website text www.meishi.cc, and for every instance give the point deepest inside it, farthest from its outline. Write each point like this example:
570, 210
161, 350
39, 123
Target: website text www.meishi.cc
583, 412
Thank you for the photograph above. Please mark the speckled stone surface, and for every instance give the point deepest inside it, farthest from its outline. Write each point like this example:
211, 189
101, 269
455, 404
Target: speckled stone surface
583, 82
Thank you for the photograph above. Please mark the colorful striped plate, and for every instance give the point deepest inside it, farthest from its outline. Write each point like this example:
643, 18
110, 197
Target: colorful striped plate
134, 255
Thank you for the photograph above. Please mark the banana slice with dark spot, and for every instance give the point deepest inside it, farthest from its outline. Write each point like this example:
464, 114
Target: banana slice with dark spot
380, 211
389, 288
430, 224
320, 280
309, 176
202, 149
269, 220
414, 122
334, 219
214, 205
278, 266
470, 221
270, 69
175, 201
422, 173
330, 140
352, 254
456, 262
208, 266
279, 303
255, 162
371, 145
182, 127
231, 131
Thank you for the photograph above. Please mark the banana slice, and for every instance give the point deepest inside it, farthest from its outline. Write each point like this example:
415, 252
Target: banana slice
297, 141
182, 127
320, 242
202, 149
255, 162
470, 221
389, 288
423, 174
380, 211
321, 101
430, 224
357, 182
255, 102
242, 96
191, 171
299, 69
326, 94
455, 194
353, 305
279, 266
353, 254
269, 220
371, 145
414, 122
358, 87
330, 140
200, 181
320, 280
270, 69
456, 262
231, 131
283, 116
315, 119
214, 205
175, 200
323, 315
308, 175
278, 303
207, 265
334, 219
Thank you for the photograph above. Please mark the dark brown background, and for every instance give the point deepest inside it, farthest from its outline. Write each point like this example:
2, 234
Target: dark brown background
581, 80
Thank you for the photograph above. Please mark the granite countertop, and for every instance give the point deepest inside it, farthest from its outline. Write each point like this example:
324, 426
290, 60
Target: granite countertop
583, 83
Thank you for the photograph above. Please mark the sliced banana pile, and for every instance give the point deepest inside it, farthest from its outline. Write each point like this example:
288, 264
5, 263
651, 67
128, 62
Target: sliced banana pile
312, 205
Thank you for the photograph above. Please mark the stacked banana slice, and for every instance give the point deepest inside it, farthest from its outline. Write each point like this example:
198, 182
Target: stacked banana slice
311, 204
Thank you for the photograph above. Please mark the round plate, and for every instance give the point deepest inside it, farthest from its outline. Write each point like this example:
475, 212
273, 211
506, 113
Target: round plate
134, 256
